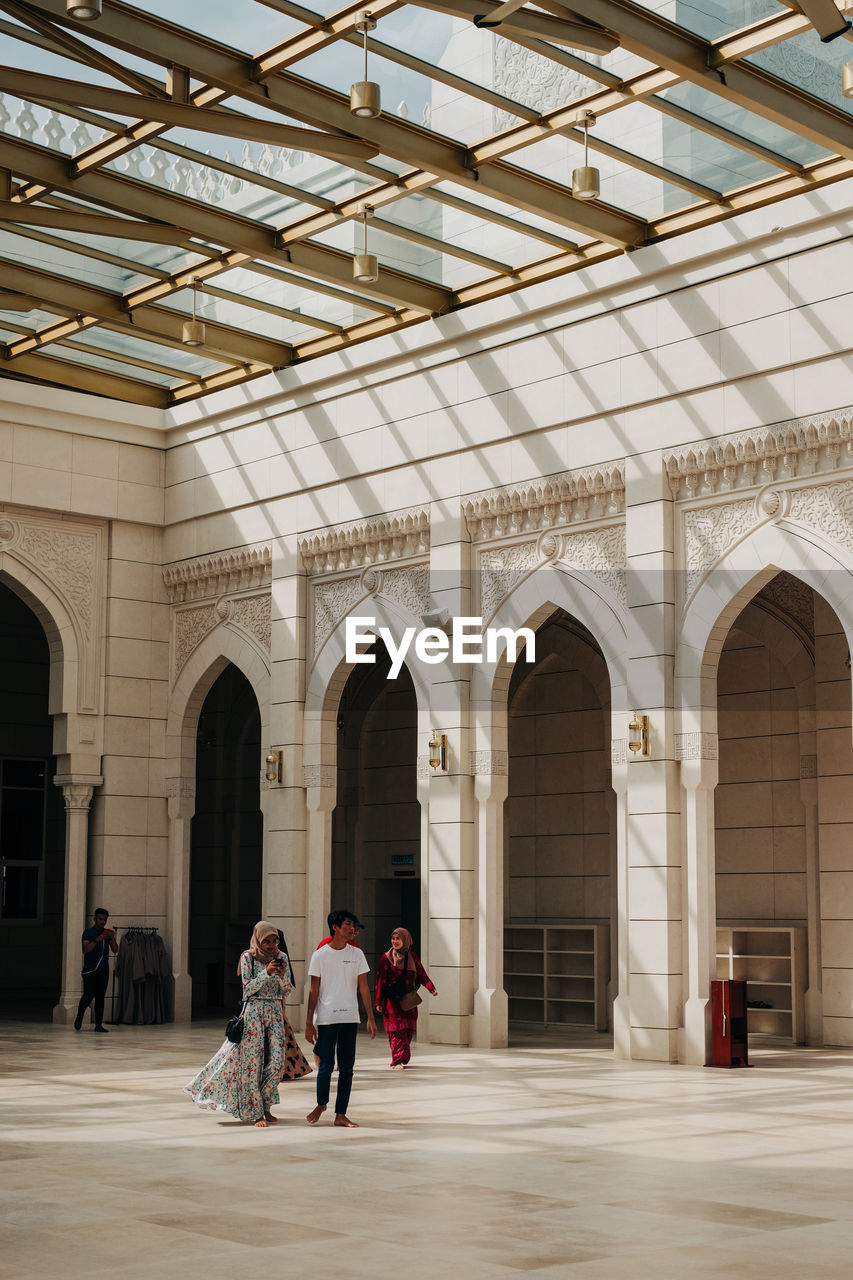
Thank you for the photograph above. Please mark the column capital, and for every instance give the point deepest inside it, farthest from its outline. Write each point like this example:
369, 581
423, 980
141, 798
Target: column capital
77, 789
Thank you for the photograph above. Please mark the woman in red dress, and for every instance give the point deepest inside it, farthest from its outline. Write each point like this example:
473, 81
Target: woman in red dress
400, 970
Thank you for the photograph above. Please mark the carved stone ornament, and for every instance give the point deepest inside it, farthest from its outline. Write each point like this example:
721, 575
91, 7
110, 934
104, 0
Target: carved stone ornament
490, 763
218, 575
790, 595
696, 746
68, 557
319, 775
599, 552
826, 508
248, 614
551, 503
180, 788
709, 532
784, 451
525, 76
808, 766
77, 796
398, 535
333, 601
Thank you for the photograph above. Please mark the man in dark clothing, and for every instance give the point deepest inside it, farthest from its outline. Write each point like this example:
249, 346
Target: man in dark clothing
97, 941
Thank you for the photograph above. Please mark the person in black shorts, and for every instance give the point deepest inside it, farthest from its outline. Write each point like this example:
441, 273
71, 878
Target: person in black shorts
97, 941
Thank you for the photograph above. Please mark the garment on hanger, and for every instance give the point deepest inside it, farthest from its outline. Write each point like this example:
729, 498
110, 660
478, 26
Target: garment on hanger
142, 967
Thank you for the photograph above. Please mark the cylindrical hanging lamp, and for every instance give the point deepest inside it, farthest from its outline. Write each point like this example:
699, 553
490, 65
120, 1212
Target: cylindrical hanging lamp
193, 332
365, 99
586, 181
365, 266
84, 12
847, 79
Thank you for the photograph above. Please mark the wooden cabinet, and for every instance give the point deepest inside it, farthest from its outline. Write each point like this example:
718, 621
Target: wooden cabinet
556, 974
771, 959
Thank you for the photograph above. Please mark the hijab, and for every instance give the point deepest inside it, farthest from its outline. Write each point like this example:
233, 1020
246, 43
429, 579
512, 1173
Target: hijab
262, 930
396, 957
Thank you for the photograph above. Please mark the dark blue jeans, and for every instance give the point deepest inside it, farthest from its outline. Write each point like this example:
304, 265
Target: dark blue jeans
334, 1036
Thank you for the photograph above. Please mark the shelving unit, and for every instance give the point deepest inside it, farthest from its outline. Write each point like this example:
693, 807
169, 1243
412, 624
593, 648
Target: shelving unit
556, 974
771, 959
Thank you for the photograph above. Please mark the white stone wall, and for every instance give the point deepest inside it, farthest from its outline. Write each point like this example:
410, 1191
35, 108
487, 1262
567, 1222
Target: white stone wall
407, 474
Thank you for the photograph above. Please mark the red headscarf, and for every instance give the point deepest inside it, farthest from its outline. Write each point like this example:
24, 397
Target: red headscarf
407, 949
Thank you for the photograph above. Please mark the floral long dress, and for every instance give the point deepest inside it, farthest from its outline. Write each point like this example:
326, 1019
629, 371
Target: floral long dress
243, 1078
400, 1024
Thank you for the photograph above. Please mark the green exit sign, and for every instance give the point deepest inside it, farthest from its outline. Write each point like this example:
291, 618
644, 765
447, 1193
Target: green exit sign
402, 859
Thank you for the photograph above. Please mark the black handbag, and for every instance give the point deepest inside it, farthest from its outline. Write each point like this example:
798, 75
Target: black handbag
234, 1027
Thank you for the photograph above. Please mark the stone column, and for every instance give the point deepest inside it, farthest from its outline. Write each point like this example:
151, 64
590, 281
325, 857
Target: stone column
449, 851
654, 799
181, 808
620, 978
77, 792
698, 778
321, 803
489, 1025
814, 988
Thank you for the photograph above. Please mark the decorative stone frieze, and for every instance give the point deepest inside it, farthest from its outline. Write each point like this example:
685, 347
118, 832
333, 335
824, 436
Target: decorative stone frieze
319, 775
240, 581
808, 766
790, 595
180, 788
68, 557
332, 601
696, 746
828, 508
599, 552
763, 456
218, 575
400, 535
488, 763
568, 498
709, 532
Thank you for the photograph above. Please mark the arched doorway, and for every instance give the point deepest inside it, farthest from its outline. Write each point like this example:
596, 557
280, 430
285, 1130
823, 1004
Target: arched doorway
783, 814
376, 823
559, 869
226, 849
32, 820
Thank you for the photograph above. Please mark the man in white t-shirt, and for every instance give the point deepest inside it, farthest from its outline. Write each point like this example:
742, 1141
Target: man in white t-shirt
338, 975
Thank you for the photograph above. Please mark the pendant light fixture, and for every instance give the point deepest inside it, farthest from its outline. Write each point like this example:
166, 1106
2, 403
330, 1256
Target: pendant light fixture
193, 334
365, 266
364, 96
84, 12
586, 181
847, 80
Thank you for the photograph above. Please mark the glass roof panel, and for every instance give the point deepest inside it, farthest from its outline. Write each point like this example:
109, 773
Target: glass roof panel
452, 95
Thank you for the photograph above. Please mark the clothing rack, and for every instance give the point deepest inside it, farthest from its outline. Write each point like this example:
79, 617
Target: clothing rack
147, 929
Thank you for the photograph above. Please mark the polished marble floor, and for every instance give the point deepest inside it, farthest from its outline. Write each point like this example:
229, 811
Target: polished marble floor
547, 1158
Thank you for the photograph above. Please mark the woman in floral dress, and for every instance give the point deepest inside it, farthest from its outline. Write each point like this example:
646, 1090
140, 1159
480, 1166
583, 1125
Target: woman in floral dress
400, 964
243, 1078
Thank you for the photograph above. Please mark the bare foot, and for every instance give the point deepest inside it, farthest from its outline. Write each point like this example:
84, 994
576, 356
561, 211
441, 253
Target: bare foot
261, 1124
343, 1122
314, 1116
397, 1066
270, 1118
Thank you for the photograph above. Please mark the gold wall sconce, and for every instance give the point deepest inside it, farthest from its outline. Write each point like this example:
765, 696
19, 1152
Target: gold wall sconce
275, 765
638, 735
438, 751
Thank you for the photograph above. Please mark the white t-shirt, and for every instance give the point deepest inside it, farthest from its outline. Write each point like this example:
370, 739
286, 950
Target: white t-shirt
338, 972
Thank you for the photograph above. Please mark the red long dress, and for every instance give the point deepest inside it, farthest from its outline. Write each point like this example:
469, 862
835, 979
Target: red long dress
401, 1024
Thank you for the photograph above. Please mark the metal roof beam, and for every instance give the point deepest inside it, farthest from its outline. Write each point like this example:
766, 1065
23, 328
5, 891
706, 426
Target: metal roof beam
66, 374
56, 89
76, 297
653, 38
301, 99
212, 224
